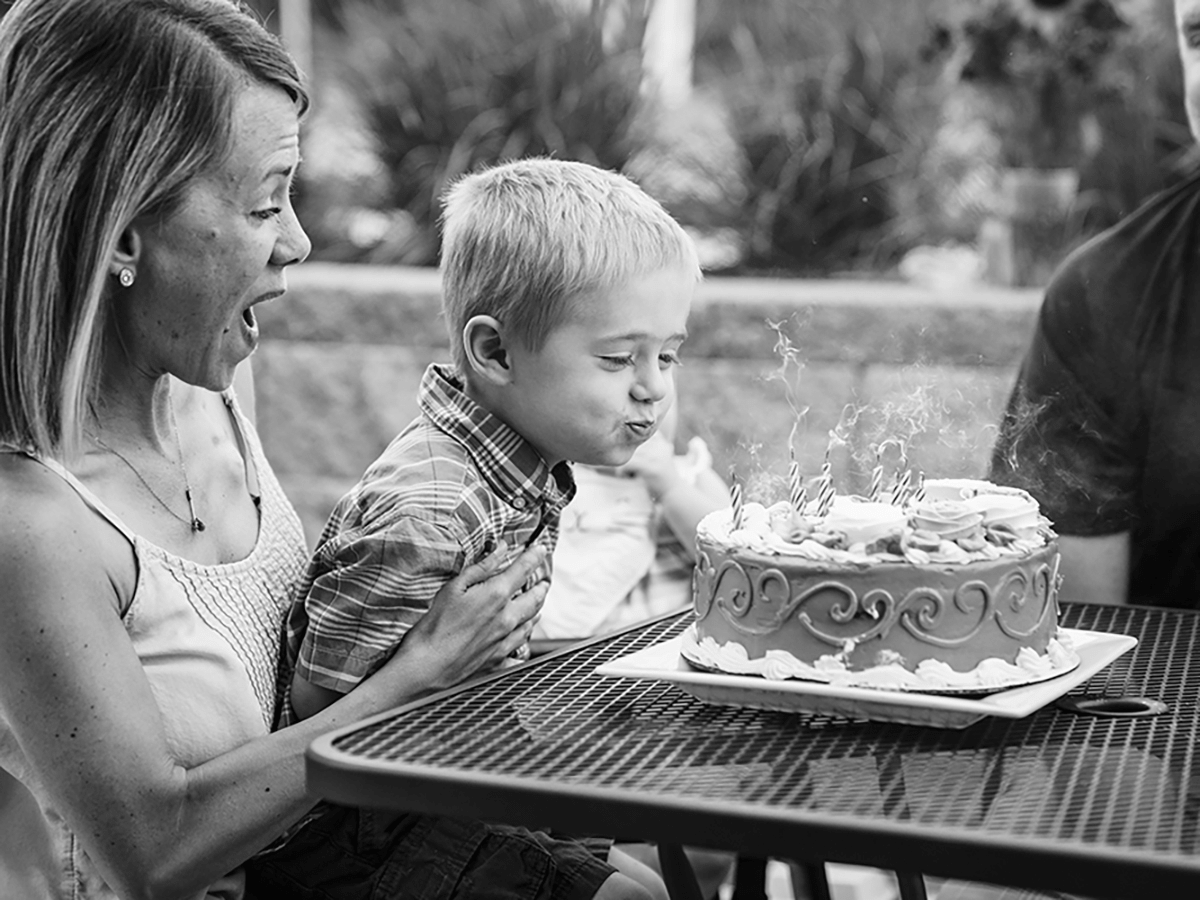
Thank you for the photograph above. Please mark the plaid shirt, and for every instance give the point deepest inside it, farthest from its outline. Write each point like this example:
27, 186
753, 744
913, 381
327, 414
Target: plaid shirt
450, 486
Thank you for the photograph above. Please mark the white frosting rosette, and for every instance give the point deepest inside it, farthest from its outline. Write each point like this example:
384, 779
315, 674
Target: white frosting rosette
951, 520
956, 488
1016, 511
997, 504
863, 521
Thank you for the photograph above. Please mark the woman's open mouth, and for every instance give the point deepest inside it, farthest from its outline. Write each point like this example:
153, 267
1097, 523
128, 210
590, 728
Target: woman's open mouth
249, 319
250, 327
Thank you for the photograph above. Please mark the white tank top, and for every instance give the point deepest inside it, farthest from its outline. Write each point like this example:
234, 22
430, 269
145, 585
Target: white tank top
209, 639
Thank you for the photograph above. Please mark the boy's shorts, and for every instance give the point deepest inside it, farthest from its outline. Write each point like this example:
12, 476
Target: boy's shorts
363, 854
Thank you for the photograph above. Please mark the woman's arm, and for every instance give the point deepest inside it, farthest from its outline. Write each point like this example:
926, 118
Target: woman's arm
83, 712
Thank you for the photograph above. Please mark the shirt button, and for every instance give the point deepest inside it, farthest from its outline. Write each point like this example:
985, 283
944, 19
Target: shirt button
518, 503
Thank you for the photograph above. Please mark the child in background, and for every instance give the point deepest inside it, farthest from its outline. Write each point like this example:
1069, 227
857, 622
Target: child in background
566, 292
627, 545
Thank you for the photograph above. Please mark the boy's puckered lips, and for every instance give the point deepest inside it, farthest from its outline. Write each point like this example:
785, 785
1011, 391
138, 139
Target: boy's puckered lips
643, 428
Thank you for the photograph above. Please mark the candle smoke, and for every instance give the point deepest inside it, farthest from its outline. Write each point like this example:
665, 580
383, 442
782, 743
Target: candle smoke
924, 427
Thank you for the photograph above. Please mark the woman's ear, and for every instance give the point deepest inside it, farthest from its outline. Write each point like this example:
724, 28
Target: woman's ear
484, 347
128, 252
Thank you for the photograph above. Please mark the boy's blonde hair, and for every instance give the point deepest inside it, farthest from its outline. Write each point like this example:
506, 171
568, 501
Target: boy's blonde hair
521, 241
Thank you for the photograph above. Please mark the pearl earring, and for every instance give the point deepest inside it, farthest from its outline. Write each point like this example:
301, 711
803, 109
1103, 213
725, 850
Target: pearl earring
125, 276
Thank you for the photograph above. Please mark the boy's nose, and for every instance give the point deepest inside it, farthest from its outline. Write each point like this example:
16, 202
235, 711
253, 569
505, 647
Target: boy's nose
653, 385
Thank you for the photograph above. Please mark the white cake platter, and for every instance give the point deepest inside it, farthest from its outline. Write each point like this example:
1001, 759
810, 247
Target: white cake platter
663, 662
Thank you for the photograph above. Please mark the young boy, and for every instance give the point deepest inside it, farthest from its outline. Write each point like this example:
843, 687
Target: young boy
566, 292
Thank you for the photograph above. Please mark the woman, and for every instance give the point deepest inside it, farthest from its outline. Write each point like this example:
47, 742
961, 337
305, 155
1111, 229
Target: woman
147, 151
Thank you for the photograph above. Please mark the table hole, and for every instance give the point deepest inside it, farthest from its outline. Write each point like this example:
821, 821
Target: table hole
1112, 707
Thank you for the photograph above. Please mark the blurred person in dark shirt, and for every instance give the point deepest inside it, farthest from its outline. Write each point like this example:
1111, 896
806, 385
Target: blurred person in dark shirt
1103, 424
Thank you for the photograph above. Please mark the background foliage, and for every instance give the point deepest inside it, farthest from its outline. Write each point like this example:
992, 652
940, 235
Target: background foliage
825, 136
834, 112
1092, 84
447, 86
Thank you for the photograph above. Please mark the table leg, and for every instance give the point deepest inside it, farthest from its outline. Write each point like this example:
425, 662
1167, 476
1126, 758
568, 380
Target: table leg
677, 873
892, 785
912, 886
750, 879
810, 878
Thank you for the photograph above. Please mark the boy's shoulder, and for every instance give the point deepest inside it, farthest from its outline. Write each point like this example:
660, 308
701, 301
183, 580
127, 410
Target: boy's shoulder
422, 461
423, 474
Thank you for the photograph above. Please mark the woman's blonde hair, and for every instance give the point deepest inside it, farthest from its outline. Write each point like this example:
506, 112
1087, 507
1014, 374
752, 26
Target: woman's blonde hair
524, 240
108, 110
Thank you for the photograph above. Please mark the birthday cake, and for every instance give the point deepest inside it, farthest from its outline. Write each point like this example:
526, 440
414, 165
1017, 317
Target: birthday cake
951, 589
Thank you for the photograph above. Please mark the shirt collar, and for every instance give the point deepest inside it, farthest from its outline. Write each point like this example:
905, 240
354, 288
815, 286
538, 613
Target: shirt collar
510, 465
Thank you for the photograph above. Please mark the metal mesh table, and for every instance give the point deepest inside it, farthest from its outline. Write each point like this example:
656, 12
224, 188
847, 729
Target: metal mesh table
1100, 805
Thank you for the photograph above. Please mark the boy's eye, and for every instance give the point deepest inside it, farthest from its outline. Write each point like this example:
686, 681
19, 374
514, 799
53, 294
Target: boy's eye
268, 213
666, 360
617, 362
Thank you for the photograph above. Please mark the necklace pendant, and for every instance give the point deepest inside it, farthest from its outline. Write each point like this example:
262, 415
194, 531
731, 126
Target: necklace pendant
197, 524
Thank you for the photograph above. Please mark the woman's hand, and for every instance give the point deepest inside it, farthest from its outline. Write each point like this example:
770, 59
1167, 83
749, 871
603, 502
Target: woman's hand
476, 620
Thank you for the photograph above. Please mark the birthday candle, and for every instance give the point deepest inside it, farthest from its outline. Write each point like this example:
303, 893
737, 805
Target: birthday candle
919, 493
825, 489
825, 494
876, 480
799, 495
901, 487
800, 499
735, 492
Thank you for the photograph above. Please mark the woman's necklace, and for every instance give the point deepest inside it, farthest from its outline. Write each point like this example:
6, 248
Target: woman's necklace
194, 522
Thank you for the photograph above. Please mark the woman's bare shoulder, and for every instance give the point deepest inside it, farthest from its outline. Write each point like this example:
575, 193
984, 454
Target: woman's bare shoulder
48, 534
32, 494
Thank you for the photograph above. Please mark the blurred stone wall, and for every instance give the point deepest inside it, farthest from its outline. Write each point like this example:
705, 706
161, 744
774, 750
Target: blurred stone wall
847, 365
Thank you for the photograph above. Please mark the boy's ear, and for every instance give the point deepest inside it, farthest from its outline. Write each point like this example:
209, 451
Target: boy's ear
483, 344
128, 252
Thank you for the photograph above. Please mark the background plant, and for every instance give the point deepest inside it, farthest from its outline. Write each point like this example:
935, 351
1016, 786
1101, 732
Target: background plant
446, 86
833, 113
1091, 85
824, 136
1041, 70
